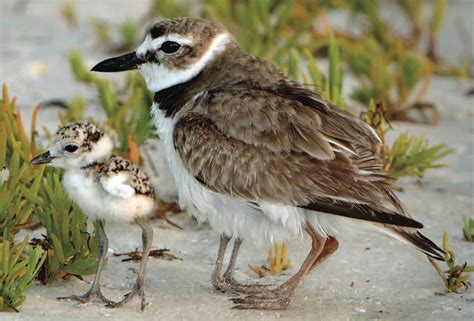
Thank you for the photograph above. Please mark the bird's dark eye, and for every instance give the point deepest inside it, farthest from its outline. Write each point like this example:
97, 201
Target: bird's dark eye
170, 47
71, 148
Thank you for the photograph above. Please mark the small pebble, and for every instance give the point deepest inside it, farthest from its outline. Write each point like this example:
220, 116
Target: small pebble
4, 175
37, 69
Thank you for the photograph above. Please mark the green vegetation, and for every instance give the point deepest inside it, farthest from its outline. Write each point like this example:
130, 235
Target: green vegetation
31, 194
19, 187
411, 156
18, 193
468, 229
20, 263
457, 276
277, 261
68, 13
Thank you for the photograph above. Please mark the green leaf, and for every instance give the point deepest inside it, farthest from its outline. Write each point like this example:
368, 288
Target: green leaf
293, 65
5, 254
58, 248
438, 13
412, 156
334, 68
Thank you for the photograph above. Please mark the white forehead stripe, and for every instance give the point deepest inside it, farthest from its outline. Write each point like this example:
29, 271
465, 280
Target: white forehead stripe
145, 46
154, 44
159, 76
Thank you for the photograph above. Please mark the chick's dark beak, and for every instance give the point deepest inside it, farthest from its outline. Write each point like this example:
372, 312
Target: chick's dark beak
44, 158
128, 61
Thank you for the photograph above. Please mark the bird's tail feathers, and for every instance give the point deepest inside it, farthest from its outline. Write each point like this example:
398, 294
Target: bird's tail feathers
417, 240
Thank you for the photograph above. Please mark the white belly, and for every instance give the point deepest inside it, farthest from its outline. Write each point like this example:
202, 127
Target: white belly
96, 203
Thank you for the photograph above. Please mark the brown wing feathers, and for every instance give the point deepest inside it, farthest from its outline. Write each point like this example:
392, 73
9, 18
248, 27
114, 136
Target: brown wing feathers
294, 178
338, 123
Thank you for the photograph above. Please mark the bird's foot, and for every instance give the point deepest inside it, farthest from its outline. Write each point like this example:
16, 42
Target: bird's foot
90, 296
136, 291
251, 302
230, 285
273, 299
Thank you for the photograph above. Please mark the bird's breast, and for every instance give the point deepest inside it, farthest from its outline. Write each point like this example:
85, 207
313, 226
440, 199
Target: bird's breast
84, 190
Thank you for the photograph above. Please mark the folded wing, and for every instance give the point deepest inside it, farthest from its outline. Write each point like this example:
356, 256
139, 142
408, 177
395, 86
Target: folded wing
265, 145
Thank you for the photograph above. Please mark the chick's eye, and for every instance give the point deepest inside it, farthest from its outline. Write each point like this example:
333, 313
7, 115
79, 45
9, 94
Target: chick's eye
71, 148
170, 47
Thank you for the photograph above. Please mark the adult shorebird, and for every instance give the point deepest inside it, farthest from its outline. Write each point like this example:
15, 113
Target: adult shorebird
106, 188
258, 155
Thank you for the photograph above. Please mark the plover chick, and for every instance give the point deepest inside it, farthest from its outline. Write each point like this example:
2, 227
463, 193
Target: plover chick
258, 155
106, 188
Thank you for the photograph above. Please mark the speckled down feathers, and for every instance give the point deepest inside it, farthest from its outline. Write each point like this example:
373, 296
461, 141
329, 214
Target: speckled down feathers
85, 132
138, 180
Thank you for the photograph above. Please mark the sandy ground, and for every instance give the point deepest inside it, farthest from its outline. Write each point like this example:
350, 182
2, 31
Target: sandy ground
390, 281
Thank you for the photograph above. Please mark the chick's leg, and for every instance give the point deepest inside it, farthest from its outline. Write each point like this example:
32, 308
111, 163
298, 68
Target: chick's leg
94, 293
139, 286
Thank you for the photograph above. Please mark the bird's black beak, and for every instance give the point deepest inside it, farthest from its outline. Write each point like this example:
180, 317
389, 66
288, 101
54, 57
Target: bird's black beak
44, 158
128, 61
